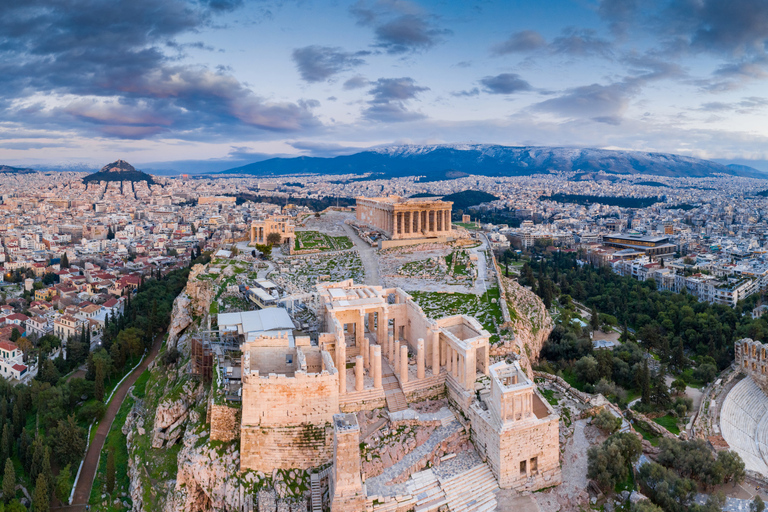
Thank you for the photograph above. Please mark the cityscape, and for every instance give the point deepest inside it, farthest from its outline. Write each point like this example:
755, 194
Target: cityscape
383, 256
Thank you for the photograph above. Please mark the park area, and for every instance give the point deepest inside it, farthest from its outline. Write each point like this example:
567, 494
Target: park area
482, 307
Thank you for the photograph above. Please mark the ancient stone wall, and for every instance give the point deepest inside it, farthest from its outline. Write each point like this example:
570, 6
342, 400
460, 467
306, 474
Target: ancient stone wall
292, 447
225, 423
751, 357
278, 400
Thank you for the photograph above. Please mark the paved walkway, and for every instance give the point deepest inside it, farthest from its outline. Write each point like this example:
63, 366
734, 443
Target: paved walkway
88, 473
367, 255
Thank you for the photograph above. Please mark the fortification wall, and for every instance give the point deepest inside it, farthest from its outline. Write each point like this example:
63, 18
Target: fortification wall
299, 446
752, 358
277, 400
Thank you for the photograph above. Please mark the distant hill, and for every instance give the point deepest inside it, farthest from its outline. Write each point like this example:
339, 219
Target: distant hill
7, 169
462, 200
119, 171
443, 161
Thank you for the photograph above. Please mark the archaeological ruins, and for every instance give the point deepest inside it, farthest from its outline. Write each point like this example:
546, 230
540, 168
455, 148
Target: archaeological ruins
403, 219
377, 349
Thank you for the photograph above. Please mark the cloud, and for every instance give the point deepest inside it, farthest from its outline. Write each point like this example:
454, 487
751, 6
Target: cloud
600, 103
467, 93
619, 13
581, 43
400, 26
319, 63
356, 82
100, 68
390, 98
326, 149
505, 83
519, 42
747, 105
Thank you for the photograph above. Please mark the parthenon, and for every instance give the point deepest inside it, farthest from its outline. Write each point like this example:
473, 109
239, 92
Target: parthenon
403, 218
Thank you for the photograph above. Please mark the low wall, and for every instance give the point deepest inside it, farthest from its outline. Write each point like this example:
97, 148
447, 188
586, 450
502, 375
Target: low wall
299, 447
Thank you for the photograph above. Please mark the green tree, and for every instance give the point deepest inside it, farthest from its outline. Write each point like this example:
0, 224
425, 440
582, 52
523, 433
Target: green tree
606, 421
643, 379
594, 320
587, 369
9, 481
610, 462
274, 238
15, 334
64, 261
757, 505
111, 470
68, 441
41, 501
64, 484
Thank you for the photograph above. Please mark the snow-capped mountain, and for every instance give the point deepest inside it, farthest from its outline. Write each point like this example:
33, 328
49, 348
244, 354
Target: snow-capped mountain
432, 161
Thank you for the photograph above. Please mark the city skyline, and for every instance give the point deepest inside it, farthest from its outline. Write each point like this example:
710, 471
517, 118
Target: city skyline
240, 81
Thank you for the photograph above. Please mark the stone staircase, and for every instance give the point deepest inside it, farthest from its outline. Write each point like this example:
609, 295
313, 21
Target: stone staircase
473, 490
317, 499
393, 394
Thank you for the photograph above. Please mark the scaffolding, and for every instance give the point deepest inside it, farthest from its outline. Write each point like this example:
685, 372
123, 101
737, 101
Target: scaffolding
207, 348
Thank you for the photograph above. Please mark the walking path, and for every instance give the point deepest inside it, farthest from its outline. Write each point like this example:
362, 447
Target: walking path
91, 462
367, 255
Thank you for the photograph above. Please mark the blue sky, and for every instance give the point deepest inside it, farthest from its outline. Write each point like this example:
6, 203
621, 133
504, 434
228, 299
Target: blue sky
237, 80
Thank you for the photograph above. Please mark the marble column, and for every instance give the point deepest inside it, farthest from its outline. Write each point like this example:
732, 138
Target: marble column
418, 222
341, 365
435, 352
397, 355
448, 219
438, 221
404, 363
454, 363
420, 357
371, 348
377, 366
364, 351
391, 349
359, 380
448, 358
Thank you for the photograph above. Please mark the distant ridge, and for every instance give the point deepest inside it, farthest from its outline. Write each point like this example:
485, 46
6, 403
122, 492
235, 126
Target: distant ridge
433, 161
119, 171
7, 169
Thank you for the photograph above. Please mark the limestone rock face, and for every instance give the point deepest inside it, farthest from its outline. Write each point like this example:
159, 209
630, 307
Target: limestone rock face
530, 321
194, 301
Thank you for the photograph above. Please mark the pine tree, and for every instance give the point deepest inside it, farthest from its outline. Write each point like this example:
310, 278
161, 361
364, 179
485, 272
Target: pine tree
644, 382
9, 481
41, 501
111, 470
38, 453
64, 261
594, 321
6, 442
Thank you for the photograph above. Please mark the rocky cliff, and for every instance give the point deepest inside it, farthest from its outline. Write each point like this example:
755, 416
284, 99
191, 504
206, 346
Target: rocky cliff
194, 302
529, 321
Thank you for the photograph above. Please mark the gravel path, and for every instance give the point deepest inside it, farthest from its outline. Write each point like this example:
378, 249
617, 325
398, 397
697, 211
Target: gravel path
573, 489
367, 255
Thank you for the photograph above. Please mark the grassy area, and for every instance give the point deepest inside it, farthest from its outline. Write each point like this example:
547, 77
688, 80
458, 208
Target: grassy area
645, 431
321, 241
669, 422
439, 304
628, 484
327, 268
466, 225
549, 395
570, 378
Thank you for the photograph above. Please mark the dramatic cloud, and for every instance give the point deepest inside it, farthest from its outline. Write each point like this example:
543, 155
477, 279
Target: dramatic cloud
390, 96
747, 105
525, 41
99, 67
601, 103
319, 63
505, 83
400, 26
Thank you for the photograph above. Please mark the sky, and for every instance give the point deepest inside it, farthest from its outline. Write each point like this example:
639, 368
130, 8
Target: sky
202, 84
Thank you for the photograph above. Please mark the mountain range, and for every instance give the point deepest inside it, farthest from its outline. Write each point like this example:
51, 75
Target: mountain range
434, 162
7, 169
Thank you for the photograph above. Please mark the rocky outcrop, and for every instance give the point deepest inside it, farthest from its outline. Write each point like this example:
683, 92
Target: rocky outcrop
529, 321
193, 302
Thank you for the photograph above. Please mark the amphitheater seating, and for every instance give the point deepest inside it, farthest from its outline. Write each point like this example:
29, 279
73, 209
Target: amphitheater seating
744, 424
